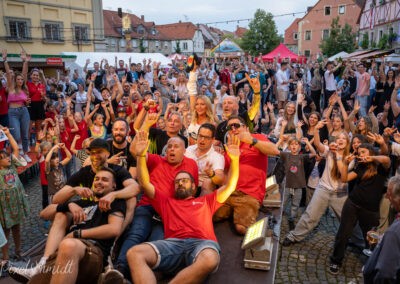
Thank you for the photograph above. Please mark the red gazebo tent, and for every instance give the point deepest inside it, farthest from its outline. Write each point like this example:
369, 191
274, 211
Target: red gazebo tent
282, 52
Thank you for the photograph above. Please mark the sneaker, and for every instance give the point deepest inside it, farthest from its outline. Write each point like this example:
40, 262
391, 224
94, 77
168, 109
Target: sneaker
334, 268
26, 157
112, 276
4, 265
19, 160
287, 242
23, 275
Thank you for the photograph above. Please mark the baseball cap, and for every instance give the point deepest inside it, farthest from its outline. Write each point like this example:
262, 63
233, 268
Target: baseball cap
99, 143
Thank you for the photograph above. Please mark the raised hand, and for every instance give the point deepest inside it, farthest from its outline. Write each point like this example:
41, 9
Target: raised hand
151, 119
270, 106
284, 123
88, 61
321, 124
357, 106
232, 147
300, 123
254, 83
372, 108
4, 54
141, 142
349, 158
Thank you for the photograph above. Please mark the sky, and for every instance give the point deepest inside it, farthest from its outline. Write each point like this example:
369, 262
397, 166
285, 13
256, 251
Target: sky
208, 11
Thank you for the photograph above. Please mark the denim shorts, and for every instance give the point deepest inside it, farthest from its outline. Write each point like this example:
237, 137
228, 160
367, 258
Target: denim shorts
175, 254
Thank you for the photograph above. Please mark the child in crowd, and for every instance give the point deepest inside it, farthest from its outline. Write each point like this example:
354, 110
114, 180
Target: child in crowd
81, 154
54, 168
13, 201
294, 165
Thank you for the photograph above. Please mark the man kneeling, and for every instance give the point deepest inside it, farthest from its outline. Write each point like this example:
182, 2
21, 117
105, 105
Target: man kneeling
190, 248
80, 255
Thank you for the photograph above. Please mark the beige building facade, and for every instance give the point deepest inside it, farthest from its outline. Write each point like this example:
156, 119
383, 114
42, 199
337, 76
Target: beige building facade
51, 26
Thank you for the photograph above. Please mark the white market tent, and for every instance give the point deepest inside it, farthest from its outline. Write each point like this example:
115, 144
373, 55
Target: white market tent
110, 56
341, 54
394, 57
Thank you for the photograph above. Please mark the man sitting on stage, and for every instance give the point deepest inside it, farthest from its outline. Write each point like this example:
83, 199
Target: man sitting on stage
190, 248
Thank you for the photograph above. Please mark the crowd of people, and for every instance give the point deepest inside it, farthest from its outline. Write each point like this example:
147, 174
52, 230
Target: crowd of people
156, 154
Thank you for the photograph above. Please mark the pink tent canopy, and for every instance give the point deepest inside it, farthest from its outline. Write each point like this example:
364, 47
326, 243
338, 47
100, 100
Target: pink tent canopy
282, 52
177, 56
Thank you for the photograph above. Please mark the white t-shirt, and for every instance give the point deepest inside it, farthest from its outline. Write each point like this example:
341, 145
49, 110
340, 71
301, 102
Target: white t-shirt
326, 180
214, 158
281, 76
330, 82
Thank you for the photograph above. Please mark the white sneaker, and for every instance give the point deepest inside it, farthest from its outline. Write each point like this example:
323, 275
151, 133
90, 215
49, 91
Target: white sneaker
26, 157
23, 275
19, 160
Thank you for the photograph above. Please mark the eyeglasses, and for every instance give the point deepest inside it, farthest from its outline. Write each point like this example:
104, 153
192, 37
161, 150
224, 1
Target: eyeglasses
233, 125
199, 137
183, 180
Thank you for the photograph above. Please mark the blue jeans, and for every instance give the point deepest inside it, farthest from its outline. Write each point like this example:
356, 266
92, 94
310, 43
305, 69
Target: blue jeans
363, 100
19, 123
176, 254
143, 228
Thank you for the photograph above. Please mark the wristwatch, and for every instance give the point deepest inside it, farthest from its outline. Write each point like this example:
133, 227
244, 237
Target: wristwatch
255, 141
77, 234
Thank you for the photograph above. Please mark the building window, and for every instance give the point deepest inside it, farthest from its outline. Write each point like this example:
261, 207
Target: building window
165, 45
185, 46
295, 36
307, 35
153, 32
18, 28
81, 32
134, 43
342, 9
52, 31
325, 34
307, 53
327, 10
140, 30
380, 34
157, 44
145, 43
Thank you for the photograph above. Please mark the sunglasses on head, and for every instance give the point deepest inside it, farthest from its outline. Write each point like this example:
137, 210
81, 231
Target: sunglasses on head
233, 125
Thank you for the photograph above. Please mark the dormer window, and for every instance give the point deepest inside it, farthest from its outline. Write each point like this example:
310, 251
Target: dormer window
153, 31
140, 30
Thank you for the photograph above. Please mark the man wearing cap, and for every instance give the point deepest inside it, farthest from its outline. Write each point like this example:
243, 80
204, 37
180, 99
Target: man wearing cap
80, 255
80, 183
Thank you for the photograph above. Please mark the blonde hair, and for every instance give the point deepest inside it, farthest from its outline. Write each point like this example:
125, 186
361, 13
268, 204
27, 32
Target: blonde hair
335, 173
209, 112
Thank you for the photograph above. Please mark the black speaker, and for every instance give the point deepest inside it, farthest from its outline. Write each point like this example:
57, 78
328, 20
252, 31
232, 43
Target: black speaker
120, 12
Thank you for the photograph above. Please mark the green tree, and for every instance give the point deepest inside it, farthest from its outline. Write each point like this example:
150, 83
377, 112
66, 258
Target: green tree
262, 35
178, 47
340, 39
384, 42
365, 41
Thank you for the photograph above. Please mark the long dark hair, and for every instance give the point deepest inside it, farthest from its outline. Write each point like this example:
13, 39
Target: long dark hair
371, 167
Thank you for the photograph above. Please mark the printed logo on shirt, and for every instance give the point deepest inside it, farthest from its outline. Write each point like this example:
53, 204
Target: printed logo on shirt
196, 203
9, 179
293, 169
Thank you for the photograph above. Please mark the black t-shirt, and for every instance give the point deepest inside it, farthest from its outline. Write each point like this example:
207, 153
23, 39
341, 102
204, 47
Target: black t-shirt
159, 139
96, 218
130, 161
85, 176
98, 82
368, 193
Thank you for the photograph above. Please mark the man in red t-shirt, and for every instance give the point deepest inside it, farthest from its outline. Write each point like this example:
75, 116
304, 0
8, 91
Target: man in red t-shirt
190, 247
245, 202
162, 174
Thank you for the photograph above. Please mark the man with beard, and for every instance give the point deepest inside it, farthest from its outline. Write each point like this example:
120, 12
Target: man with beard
190, 248
119, 147
80, 183
80, 255
144, 226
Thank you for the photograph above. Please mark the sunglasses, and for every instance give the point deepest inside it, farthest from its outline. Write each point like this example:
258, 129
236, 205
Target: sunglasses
233, 125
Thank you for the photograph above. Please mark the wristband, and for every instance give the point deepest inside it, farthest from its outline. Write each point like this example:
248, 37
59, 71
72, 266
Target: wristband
255, 141
63, 207
77, 234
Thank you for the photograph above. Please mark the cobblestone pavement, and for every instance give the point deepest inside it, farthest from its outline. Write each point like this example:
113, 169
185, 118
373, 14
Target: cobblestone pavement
308, 261
304, 262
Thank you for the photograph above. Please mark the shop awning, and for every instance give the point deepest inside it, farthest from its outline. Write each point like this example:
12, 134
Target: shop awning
373, 54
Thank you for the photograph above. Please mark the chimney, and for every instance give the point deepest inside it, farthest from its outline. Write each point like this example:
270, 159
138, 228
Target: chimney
309, 8
180, 21
142, 18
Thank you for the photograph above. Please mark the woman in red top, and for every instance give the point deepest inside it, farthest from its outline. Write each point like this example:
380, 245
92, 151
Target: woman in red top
37, 94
